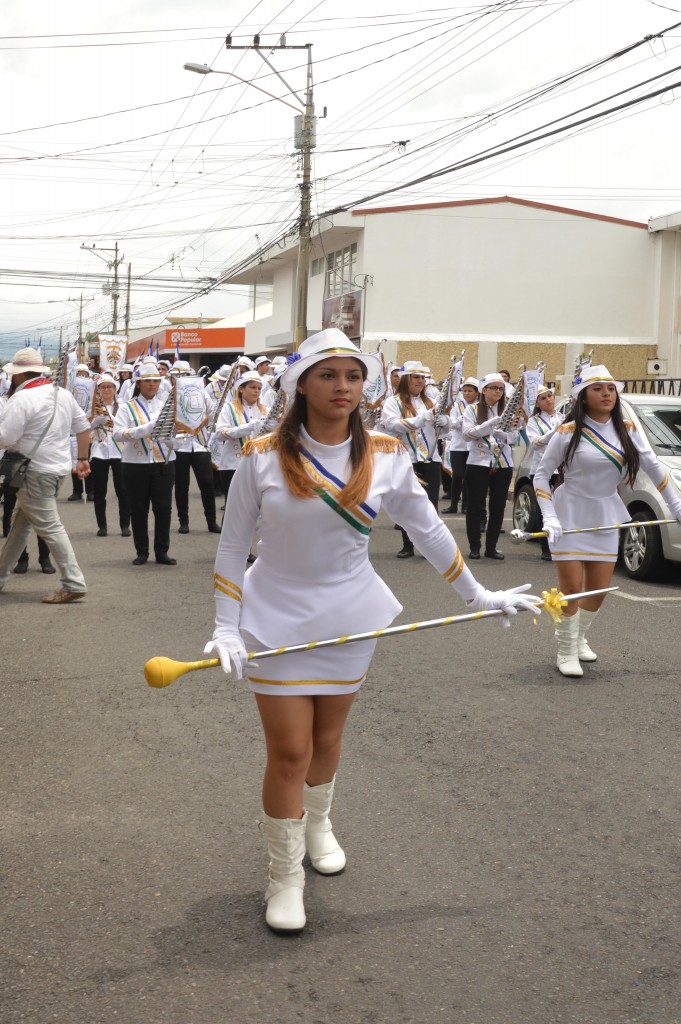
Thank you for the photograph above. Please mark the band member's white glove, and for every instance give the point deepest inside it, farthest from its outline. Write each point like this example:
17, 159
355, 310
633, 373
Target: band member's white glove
501, 436
441, 422
270, 424
98, 421
143, 430
554, 531
510, 602
229, 648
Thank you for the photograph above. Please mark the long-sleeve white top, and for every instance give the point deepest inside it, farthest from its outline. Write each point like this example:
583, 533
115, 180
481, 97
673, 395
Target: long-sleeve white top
417, 432
588, 494
456, 442
132, 426
313, 578
103, 444
488, 444
539, 430
237, 423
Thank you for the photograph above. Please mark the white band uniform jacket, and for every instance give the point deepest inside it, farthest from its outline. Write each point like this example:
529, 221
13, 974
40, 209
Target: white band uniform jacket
539, 430
313, 579
103, 444
486, 439
417, 432
240, 424
130, 431
588, 496
27, 413
456, 442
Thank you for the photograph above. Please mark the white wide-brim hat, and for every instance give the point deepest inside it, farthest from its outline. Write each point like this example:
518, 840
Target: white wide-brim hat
106, 377
126, 368
262, 359
414, 366
182, 366
473, 382
544, 390
147, 370
595, 375
325, 345
252, 376
26, 360
491, 378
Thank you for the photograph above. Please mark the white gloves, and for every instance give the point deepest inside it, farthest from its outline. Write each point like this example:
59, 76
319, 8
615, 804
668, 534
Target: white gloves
269, 424
510, 602
229, 648
143, 430
493, 421
554, 531
501, 436
98, 421
441, 422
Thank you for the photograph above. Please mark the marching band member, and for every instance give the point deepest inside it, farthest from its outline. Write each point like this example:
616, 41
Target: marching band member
125, 382
408, 415
539, 428
457, 445
105, 455
594, 453
318, 483
489, 466
192, 452
148, 465
79, 484
239, 420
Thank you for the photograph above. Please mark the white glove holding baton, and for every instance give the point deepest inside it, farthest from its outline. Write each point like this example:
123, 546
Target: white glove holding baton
229, 648
510, 602
553, 529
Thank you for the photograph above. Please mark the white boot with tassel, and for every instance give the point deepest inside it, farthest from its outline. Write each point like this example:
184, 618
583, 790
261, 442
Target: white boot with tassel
326, 855
566, 634
585, 620
284, 895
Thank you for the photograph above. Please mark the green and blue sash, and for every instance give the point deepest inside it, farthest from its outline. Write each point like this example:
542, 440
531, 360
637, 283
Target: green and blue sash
328, 487
610, 451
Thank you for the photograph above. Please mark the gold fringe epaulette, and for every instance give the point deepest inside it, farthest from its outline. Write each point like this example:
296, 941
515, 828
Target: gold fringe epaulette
630, 425
385, 443
567, 428
266, 443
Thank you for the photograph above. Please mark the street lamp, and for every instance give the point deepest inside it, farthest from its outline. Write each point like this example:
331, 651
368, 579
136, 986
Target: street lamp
304, 140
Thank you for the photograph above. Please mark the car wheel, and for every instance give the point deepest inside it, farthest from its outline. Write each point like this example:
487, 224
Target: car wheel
525, 509
642, 549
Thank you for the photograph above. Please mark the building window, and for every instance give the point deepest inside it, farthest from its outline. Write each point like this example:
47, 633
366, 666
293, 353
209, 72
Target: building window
317, 267
341, 268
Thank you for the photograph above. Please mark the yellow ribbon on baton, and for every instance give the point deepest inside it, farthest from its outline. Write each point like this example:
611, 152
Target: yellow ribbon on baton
553, 603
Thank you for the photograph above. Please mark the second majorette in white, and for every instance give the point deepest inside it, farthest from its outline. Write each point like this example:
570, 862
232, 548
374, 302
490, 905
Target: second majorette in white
317, 483
591, 454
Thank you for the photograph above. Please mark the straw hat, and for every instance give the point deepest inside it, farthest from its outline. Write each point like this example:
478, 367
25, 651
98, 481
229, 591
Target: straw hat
26, 360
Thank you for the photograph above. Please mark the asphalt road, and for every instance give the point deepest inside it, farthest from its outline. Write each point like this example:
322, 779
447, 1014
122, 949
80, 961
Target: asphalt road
512, 836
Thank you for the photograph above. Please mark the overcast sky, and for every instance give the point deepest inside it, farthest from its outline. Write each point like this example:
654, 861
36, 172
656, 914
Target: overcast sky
105, 138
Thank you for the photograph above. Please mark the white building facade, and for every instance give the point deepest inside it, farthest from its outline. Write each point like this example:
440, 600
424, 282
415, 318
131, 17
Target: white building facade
508, 280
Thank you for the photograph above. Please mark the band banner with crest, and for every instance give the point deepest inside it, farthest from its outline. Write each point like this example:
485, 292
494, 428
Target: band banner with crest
533, 381
112, 350
84, 393
191, 411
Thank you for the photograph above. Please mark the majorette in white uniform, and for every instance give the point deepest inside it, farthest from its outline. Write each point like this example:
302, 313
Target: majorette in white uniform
238, 421
588, 494
313, 578
417, 432
540, 428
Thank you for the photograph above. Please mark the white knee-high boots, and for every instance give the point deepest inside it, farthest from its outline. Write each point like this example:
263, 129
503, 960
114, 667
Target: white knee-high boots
585, 620
284, 895
567, 635
326, 855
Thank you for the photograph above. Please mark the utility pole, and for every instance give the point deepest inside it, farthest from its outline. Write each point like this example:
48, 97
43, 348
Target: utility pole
305, 141
127, 303
112, 265
81, 351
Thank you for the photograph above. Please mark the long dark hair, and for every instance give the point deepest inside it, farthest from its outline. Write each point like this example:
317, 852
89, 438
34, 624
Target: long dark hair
288, 444
406, 399
578, 412
484, 410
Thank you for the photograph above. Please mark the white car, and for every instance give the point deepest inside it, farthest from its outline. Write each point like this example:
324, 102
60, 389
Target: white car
644, 550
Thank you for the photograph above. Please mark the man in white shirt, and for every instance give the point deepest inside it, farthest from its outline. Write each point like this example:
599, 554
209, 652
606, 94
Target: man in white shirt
40, 414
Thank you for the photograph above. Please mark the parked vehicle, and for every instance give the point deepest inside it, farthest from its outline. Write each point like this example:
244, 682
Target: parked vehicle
644, 550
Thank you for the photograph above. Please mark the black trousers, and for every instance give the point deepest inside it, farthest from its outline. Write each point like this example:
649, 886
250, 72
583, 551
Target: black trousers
458, 462
99, 474
429, 475
200, 463
150, 484
479, 481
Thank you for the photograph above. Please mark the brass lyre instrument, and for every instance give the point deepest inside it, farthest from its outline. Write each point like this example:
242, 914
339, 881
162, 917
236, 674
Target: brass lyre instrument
275, 412
164, 428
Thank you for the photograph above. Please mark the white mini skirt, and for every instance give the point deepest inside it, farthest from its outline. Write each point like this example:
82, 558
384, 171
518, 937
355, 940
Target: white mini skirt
329, 671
